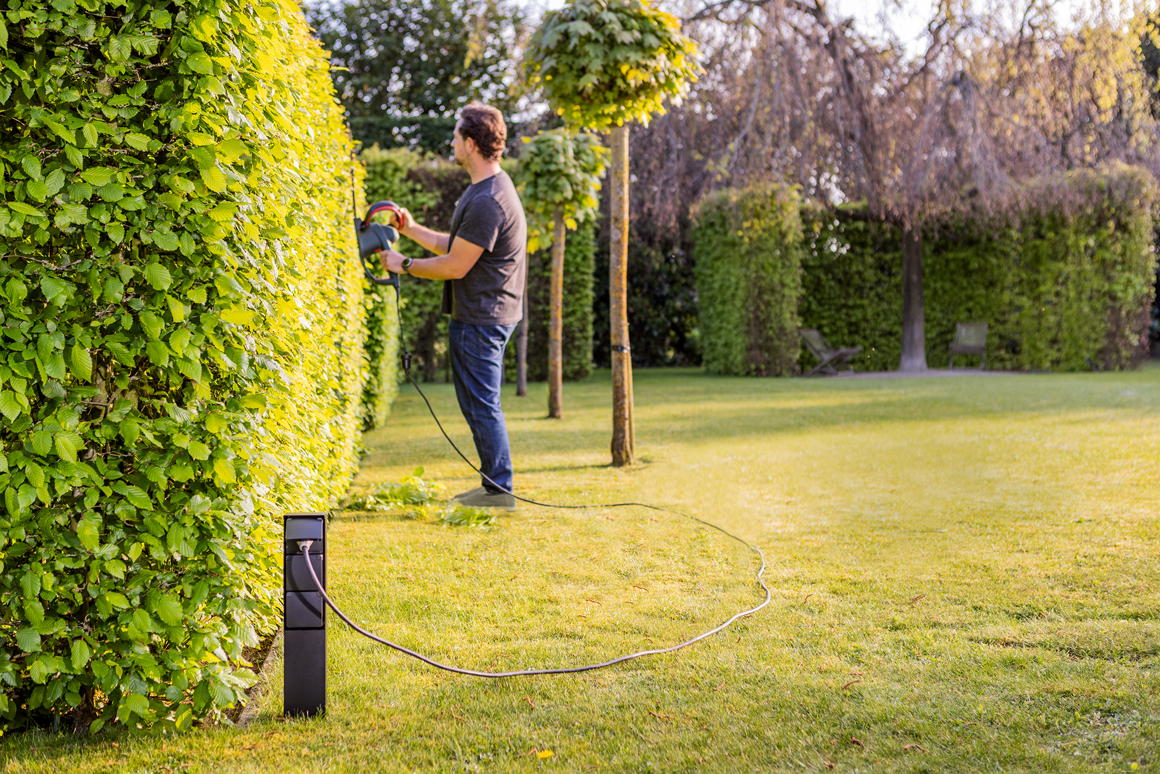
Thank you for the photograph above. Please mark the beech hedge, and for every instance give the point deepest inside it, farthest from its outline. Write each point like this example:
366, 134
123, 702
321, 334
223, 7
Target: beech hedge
748, 247
181, 345
1064, 277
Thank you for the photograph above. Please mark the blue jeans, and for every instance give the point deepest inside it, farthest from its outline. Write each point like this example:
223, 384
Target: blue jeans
477, 366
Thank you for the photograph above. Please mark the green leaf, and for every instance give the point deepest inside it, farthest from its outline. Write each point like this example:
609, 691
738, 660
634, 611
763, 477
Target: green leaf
168, 609
214, 179
81, 363
88, 531
28, 640
80, 653
37, 190
41, 442
117, 600
158, 276
54, 288
166, 240
152, 324
198, 450
98, 176
138, 141
224, 471
231, 150
200, 63
137, 496
8, 405
26, 209
31, 164
238, 315
3, 33
67, 445
136, 704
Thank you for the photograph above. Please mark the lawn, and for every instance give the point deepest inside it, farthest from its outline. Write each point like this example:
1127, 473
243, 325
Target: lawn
965, 577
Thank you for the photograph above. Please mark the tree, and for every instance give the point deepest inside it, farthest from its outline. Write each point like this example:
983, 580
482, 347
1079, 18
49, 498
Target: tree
559, 178
403, 68
602, 65
980, 103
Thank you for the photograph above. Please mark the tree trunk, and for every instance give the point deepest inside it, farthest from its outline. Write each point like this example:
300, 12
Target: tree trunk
556, 323
913, 327
622, 430
522, 353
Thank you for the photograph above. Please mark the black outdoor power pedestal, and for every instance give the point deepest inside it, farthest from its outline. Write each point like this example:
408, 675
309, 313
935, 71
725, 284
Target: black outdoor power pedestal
304, 677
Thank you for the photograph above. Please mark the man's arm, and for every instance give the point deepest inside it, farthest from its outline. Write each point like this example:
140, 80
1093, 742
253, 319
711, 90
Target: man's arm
456, 263
435, 241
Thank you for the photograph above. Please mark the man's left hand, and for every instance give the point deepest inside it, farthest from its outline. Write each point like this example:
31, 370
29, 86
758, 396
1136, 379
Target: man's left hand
392, 261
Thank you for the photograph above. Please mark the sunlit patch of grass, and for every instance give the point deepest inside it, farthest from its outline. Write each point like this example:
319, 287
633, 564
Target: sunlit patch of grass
964, 576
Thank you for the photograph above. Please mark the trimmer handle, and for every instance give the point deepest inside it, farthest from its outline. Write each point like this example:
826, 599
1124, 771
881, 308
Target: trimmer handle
373, 238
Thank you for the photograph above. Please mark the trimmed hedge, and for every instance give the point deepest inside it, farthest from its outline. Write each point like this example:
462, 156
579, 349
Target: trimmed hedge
851, 284
1064, 279
181, 346
386, 179
579, 263
748, 270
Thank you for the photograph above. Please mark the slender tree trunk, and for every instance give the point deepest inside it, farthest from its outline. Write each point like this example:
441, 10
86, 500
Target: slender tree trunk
913, 327
622, 430
556, 323
522, 352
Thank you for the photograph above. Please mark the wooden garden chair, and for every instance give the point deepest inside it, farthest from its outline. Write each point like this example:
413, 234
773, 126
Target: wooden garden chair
970, 339
829, 358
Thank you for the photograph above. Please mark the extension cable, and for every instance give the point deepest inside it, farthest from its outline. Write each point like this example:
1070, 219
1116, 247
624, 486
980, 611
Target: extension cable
304, 548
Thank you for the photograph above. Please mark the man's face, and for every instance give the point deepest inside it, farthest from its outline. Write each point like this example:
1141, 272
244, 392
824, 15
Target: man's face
458, 146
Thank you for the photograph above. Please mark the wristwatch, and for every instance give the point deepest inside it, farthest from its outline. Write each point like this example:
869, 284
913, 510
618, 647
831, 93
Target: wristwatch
407, 265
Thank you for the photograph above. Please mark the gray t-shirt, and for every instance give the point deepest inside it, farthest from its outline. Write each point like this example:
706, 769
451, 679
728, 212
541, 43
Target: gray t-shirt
489, 214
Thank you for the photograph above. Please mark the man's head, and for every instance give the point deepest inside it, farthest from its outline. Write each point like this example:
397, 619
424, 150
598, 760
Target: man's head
480, 131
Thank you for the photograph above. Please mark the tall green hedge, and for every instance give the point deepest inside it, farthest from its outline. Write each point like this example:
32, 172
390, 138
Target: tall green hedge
851, 286
579, 262
1063, 278
748, 270
386, 179
181, 345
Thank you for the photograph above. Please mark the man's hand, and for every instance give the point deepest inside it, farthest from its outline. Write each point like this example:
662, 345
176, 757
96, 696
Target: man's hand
402, 219
392, 261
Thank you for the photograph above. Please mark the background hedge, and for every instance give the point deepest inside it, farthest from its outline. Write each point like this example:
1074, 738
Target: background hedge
181, 331
1064, 277
386, 179
579, 263
748, 271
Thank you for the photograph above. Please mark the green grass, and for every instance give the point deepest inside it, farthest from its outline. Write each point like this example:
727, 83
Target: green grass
965, 577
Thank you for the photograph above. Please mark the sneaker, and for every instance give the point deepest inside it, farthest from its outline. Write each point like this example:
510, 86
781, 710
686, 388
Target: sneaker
469, 493
481, 498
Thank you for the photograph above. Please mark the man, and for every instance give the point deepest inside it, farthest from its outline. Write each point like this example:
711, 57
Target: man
484, 261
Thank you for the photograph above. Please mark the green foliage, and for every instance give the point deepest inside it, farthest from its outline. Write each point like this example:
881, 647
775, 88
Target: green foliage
851, 283
463, 516
579, 260
559, 176
1064, 280
748, 269
397, 97
389, 495
181, 332
386, 179
604, 63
